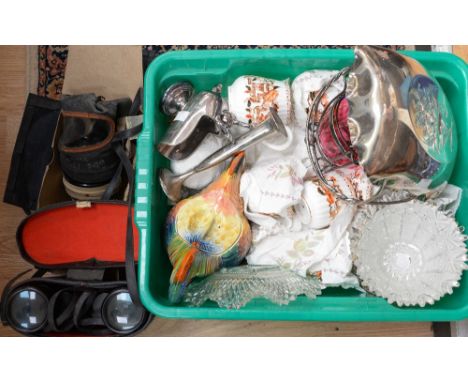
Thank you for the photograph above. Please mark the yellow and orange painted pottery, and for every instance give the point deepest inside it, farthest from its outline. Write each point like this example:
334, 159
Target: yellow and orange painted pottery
207, 231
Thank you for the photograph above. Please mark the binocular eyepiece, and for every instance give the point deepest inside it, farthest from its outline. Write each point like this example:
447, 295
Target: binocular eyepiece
42, 309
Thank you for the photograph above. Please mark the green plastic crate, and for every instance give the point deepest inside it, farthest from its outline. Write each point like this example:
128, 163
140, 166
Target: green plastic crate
206, 69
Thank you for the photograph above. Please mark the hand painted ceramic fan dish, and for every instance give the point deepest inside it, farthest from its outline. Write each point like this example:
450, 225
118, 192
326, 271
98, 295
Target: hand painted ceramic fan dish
399, 125
410, 254
207, 231
232, 288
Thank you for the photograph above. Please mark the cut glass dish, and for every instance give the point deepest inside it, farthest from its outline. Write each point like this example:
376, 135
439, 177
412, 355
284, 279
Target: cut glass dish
409, 253
234, 287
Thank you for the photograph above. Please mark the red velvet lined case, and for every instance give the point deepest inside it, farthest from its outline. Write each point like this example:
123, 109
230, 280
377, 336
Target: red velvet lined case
76, 235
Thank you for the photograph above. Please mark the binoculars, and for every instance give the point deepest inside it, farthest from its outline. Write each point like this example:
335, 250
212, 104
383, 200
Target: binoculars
38, 308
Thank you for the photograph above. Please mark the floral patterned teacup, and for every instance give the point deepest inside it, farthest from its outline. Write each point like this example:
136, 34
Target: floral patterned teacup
250, 99
319, 206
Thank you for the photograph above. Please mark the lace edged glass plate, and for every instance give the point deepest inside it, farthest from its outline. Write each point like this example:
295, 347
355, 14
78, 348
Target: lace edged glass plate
409, 253
233, 288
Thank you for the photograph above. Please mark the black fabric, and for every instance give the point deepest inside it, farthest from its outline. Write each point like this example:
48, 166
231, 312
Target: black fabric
84, 307
83, 304
91, 103
130, 271
130, 266
132, 280
32, 152
114, 184
61, 321
119, 139
137, 104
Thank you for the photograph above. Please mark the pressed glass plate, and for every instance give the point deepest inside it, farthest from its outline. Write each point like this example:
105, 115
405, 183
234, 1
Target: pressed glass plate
234, 287
409, 253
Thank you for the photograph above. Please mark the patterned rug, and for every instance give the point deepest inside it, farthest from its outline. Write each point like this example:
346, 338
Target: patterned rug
52, 60
150, 52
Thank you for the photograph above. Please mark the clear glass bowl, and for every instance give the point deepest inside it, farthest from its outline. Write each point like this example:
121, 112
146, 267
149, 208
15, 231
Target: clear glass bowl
234, 287
409, 253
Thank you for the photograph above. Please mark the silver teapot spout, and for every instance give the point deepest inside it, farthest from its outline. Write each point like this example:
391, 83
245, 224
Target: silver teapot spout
194, 117
172, 184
